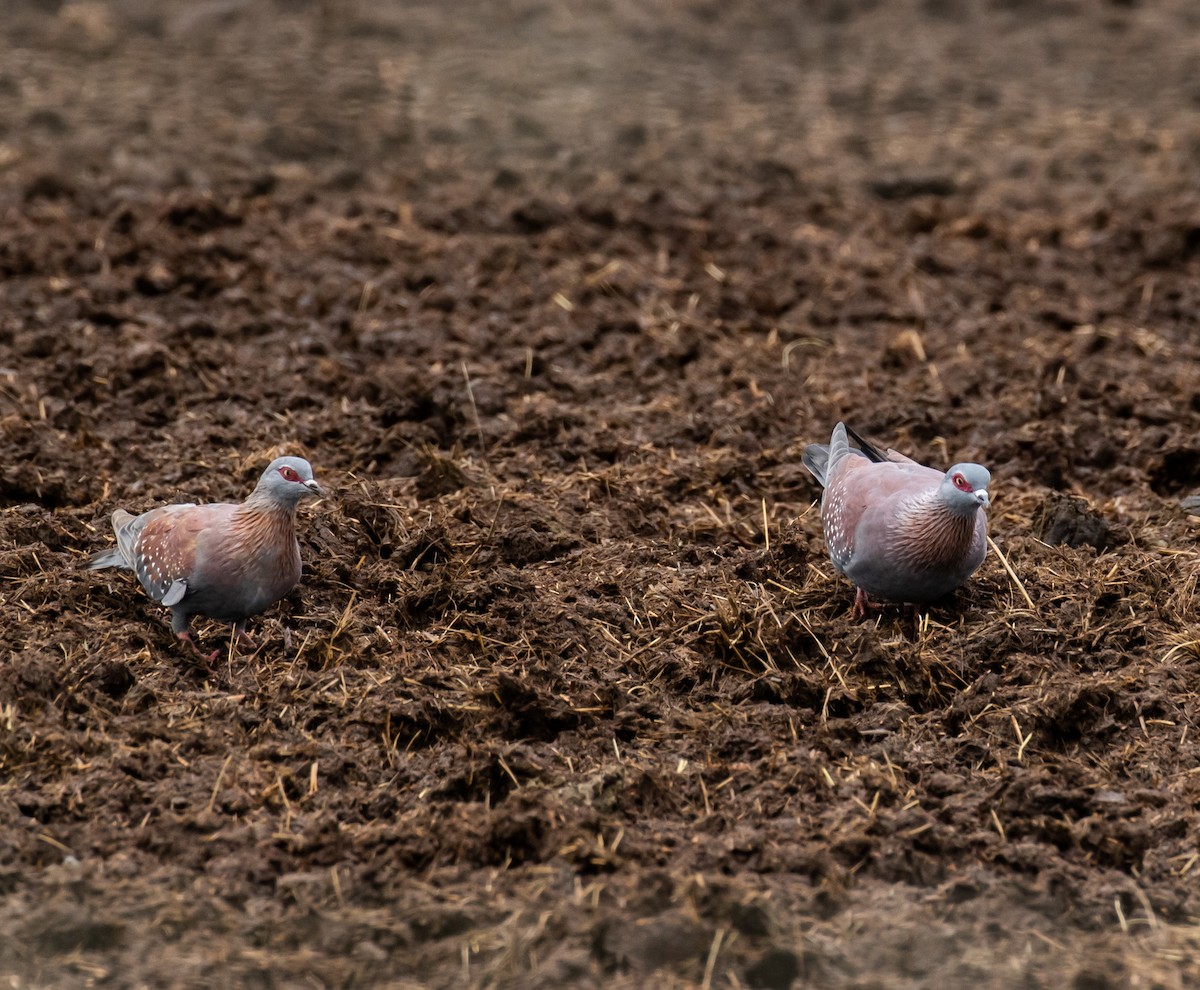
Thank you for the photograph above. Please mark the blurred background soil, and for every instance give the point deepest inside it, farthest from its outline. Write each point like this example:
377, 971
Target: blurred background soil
553, 295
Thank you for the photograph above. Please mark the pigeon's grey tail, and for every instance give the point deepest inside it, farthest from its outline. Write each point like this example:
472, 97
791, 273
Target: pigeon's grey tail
820, 458
106, 558
816, 459
122, 554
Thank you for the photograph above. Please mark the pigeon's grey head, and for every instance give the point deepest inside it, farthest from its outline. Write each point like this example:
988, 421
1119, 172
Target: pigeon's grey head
287, 480
965, 488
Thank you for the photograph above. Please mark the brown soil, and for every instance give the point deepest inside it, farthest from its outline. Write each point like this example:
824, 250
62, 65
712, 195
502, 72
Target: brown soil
552, 295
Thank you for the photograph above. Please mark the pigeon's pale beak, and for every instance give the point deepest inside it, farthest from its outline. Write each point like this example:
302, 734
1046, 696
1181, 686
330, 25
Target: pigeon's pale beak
316, 489
982, 495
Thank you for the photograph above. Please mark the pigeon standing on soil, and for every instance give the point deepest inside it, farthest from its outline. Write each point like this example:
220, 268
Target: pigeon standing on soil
224, 561
898, 530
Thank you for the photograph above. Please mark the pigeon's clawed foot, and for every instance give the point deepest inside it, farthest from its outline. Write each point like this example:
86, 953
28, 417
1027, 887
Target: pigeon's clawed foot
208, 658
244, 639
863, 605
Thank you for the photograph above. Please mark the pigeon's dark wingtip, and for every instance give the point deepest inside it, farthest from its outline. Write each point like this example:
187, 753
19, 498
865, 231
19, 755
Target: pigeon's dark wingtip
869, 449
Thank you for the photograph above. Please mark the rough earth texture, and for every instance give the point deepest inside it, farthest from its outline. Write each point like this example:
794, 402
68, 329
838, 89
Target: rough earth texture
553, 294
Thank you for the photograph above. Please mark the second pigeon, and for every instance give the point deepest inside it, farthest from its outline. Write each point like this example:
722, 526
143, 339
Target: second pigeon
900, 531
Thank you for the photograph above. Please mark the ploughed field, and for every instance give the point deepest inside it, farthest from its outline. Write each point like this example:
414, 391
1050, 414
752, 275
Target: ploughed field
553, 295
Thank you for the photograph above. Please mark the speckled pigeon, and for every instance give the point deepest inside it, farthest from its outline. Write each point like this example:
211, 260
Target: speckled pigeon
898, 530
225, 561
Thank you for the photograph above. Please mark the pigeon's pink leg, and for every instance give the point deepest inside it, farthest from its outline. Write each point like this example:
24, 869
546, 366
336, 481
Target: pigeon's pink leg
244, 638
861, 604
207, 657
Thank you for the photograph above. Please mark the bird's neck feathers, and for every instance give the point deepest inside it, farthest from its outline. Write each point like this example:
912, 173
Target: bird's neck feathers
263, 522
931, 532
263, 500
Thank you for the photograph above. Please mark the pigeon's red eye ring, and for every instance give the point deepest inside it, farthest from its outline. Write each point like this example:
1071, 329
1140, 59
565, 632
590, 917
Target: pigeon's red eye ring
961, 483
289, 474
